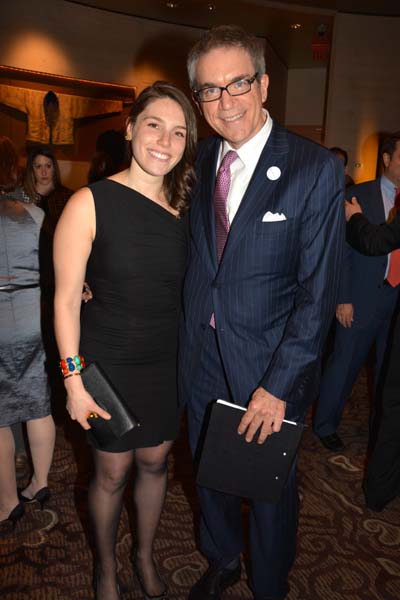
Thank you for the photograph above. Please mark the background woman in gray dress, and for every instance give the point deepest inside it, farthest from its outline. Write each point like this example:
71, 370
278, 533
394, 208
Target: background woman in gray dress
24, 392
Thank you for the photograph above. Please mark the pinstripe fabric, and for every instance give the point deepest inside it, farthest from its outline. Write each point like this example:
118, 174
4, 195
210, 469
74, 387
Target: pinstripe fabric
274, 292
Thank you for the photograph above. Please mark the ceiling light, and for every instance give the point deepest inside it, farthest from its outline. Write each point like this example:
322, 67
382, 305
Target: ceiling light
171, 4
211, 7
295, 26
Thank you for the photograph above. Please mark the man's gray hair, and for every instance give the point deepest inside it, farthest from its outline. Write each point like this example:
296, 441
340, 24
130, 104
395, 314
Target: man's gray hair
222, 37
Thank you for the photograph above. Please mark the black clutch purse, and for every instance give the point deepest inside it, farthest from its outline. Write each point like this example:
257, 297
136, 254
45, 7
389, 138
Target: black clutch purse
105, 395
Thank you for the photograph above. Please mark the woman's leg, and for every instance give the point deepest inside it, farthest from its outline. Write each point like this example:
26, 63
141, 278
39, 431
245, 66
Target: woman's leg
41, 436
8, 484
149, 496
105, 505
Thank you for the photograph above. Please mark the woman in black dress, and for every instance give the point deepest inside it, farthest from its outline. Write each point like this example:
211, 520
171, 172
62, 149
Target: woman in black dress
127, 236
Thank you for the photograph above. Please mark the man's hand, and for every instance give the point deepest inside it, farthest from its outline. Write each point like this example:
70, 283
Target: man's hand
351, 208
345, 314
264, 410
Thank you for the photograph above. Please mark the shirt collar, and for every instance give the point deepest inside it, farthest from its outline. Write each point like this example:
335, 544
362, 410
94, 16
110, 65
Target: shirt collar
388, 186
250, 152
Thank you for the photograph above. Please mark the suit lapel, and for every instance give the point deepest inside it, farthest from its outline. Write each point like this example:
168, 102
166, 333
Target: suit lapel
206, 197
260, 186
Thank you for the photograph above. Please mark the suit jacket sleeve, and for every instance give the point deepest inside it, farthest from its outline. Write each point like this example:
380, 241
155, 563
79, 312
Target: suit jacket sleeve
295, 362
373, 240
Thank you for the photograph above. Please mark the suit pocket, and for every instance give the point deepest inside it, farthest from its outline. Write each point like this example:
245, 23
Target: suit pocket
274, 228
275, 245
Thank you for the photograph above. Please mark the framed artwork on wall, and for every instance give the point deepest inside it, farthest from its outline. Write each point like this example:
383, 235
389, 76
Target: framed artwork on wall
65, 112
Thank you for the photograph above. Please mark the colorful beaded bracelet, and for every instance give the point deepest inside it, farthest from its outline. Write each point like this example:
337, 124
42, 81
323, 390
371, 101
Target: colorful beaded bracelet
69, 364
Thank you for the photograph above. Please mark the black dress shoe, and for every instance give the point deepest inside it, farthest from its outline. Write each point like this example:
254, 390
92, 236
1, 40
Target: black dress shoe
332, 442
211, 585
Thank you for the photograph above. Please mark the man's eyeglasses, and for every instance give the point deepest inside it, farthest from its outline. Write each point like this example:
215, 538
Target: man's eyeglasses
236, 88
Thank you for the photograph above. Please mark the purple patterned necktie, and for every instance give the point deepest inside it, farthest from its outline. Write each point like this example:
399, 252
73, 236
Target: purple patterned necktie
222, 186
221, 192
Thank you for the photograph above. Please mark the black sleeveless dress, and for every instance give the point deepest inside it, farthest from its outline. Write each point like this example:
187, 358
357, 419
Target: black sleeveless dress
130, 327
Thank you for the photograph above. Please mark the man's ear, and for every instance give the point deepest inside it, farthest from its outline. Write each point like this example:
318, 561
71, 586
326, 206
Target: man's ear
386, 159
264, 83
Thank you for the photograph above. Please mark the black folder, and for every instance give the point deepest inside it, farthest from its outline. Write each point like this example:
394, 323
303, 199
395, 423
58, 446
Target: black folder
247, 469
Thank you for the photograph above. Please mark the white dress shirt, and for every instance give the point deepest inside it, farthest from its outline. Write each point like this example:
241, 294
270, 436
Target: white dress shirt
243, 167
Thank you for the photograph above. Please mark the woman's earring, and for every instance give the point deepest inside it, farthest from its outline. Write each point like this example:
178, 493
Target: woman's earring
128, 137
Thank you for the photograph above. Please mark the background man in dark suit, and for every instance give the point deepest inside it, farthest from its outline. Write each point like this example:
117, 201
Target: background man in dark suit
256, 309
364, 312
382, 481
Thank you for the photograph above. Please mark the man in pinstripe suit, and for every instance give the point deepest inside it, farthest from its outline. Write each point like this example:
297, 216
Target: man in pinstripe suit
255, 319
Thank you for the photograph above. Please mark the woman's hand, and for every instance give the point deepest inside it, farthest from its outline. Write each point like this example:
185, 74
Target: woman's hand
80, 403
351, 208
87, 293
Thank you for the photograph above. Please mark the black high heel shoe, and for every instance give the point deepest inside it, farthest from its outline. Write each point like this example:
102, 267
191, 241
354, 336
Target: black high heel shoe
15, 515
42, 496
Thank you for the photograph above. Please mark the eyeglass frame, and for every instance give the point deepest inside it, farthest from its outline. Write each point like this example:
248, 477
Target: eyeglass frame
249, 80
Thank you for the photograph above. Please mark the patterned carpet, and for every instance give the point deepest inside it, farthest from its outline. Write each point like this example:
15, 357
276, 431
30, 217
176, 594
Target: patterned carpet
345, 552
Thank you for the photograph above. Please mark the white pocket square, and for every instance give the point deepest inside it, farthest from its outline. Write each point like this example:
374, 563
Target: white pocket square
270, 217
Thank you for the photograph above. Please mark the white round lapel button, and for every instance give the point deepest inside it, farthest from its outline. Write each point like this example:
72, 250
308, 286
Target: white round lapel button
273, 173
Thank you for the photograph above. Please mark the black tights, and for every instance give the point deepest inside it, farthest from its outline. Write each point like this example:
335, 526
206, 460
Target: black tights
106, 493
